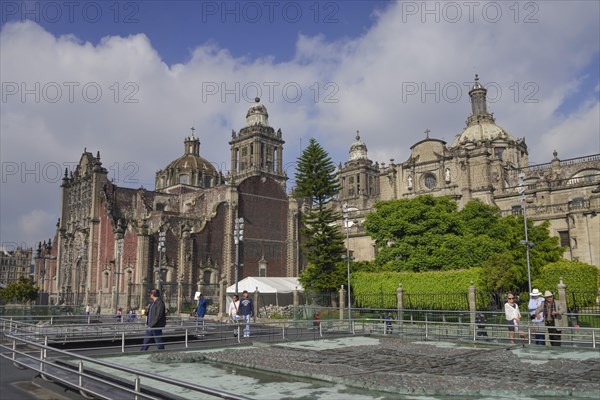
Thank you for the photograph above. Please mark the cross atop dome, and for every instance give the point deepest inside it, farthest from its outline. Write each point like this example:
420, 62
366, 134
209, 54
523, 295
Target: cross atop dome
477, 85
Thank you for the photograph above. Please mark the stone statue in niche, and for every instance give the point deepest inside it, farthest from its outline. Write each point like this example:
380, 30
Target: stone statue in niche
410, 182
447, 175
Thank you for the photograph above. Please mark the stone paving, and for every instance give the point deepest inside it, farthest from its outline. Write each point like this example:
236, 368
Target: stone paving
390, 365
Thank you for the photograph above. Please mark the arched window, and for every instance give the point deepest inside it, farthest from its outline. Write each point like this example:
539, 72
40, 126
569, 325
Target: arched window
430, 181
184, 179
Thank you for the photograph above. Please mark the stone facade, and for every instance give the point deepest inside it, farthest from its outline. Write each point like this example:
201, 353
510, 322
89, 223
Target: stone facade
483, 162
15, 263
108, 248
108, 243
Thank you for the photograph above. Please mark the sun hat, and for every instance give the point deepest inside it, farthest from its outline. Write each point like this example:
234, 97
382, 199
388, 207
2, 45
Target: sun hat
535, 292
548, 293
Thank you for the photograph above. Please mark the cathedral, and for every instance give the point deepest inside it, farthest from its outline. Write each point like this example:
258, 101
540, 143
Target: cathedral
200, 228
483, 162
113, 243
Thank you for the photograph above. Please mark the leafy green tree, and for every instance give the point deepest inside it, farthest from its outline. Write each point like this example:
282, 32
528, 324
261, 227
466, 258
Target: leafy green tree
500, 274
323, 243
429, 233
20, 291
582, 280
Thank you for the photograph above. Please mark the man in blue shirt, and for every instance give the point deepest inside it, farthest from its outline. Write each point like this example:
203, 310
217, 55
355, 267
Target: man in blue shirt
201, 310
246, 310
157, 318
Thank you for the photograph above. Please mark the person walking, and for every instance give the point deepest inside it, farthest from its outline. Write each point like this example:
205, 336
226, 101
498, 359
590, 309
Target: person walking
245, 311
513, 316
552, 311
537, 319
156, 319
200, 311
88, 309
233, 312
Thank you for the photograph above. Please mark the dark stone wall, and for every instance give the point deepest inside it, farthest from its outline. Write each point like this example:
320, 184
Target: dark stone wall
209, 242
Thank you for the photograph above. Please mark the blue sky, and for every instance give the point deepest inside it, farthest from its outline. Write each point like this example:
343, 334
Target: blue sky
249, 29
323, 69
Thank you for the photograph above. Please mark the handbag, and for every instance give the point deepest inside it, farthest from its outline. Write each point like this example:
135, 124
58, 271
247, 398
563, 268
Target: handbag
235, 317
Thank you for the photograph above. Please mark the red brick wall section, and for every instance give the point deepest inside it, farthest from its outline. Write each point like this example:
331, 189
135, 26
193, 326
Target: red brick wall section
106, 244
264, 206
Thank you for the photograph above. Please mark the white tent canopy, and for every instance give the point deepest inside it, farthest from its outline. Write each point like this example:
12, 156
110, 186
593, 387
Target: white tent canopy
266, 285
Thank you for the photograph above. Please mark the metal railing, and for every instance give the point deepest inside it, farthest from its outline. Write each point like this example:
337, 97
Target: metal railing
33, 346
526, 334
123, 336
77, 372
28, 344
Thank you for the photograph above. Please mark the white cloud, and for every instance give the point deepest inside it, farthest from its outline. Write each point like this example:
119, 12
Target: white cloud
33, 225
369, 77
569, 135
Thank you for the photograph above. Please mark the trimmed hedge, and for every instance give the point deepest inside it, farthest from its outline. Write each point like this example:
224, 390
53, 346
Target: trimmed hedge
428, 290
445, 290
581, 278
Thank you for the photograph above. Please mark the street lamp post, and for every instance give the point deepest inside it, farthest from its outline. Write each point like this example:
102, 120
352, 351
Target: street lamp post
118, 273
347, 224
162, 239
526, 242
46, 249
238, 237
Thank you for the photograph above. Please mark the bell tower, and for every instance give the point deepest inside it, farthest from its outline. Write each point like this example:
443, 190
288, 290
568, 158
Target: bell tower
257, 149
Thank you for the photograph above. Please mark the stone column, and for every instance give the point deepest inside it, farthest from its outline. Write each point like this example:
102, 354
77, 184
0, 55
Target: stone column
142, 293
342, 304
295, 297
113, 298
400, 302
143, 254
562, 302
256, 302
472, 302
128, 293
222, 294
86, 301
179, 293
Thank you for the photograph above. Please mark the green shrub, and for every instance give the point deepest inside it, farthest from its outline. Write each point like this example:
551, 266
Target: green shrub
579, 277
431, 290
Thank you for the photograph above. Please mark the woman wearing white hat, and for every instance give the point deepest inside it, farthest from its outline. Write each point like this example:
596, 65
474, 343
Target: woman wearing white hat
537, 320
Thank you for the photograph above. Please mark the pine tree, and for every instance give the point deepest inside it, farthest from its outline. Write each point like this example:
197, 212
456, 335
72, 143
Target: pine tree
323, 243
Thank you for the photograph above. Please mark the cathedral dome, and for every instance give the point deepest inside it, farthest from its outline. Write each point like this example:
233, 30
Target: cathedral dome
481, 125
191, 159
189, 169
358, 150
192, 162
484, 131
